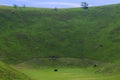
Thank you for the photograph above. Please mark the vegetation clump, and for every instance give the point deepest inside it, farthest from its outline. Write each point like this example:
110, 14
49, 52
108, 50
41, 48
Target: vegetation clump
8, 73
55, 70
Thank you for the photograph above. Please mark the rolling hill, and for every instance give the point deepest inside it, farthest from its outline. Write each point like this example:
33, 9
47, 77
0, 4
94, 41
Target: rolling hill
50, 37
27, 33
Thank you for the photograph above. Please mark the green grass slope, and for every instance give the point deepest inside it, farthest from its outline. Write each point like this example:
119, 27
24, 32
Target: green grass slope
28, 33
8, 73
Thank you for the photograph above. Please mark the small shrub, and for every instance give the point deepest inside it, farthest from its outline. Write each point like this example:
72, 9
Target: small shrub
53, 58
101, 45
55, 70
95, 65
13, 12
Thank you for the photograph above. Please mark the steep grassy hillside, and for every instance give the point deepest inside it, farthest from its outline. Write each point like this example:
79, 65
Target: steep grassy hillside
28, 33
7, 73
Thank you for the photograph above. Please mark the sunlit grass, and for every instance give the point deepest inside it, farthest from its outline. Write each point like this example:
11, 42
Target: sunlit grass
67, 74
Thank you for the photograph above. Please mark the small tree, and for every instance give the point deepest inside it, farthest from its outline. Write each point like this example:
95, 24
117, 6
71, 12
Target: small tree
56, 9
84, 5
24, 6
15, 6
